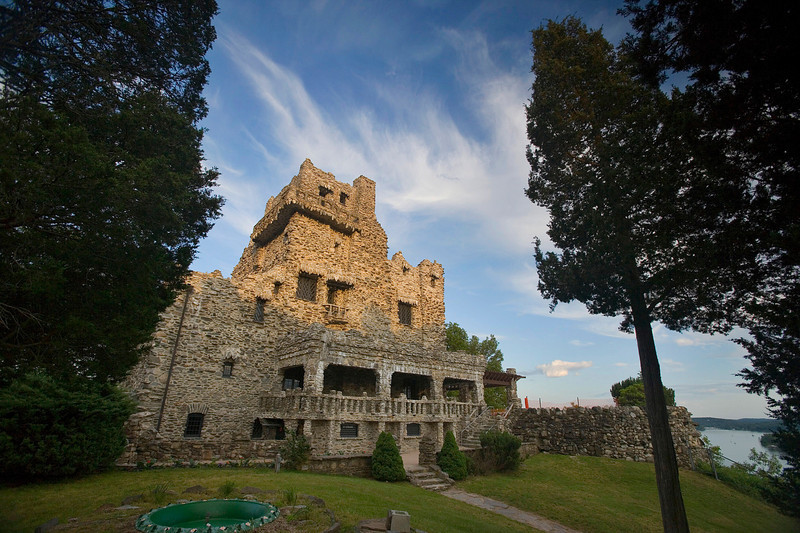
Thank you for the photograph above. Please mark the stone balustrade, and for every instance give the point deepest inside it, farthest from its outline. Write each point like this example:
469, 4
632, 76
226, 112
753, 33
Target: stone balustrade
335, 405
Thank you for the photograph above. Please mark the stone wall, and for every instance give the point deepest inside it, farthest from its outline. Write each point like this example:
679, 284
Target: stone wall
617, 432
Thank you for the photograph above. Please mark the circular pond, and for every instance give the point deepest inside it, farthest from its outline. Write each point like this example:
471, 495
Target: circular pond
208, 516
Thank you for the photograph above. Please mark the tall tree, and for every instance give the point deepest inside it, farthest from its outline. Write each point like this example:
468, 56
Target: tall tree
457, 338
103, 197
744, 90
633, 220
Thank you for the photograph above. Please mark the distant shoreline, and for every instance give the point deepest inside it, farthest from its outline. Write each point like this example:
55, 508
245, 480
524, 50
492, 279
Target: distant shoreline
756, 425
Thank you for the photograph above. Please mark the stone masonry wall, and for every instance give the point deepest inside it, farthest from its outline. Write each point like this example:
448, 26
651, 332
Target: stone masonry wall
617, 432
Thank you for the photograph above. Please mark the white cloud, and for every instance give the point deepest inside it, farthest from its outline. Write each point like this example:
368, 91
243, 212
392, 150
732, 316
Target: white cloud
621, 364
580, 344
672, 365
425, 162
559, 368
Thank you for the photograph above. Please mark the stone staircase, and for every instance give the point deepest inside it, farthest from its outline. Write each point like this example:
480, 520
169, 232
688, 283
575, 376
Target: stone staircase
470, 438
428, 477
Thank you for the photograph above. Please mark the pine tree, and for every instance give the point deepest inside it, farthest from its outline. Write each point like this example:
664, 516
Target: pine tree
387, 464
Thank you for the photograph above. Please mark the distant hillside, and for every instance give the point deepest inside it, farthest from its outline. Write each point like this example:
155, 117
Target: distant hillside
757, 425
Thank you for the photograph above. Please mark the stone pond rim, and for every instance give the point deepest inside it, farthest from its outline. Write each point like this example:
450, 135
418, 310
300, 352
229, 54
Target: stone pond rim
208, 516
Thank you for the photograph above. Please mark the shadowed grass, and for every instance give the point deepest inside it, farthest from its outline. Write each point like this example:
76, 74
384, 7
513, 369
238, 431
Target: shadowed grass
350, 498
594, 494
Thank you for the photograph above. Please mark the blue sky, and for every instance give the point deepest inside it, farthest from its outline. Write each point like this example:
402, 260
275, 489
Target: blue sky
427, 99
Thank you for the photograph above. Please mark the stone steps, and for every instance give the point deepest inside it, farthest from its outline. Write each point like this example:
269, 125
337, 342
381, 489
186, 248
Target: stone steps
428, 477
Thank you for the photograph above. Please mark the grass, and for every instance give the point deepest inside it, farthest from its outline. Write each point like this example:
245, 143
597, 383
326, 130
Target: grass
351, 499
590, 494
594, 494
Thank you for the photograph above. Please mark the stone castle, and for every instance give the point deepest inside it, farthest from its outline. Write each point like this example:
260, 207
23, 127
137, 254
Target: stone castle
319, 333
316, 332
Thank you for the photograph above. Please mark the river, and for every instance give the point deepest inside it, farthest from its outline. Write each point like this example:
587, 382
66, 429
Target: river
736, 444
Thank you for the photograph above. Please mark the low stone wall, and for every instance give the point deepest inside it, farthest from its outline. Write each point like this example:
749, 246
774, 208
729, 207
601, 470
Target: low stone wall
616, 432
353, 465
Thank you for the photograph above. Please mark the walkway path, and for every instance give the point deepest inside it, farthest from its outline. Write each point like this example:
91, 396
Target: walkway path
506, 510
411, 459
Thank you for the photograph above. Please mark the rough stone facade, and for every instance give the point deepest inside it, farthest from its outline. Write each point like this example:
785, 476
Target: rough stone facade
616, 432
316, 331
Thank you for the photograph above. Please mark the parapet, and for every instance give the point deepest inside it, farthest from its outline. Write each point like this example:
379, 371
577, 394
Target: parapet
318, 195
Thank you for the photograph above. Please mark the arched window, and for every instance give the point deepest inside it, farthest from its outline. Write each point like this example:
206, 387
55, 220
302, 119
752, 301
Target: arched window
194, 425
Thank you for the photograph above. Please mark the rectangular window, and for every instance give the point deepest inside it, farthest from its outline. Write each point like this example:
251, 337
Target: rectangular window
194, 425
227, 369
258, 316
290, 384
348, 430
404, 313
413, 430
307, 287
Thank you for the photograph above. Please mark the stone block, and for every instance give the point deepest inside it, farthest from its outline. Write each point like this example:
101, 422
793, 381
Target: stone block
398, 521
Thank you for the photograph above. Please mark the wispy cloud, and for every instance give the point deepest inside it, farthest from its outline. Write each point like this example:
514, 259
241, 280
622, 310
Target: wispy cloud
424, 161
559, 368
580, 344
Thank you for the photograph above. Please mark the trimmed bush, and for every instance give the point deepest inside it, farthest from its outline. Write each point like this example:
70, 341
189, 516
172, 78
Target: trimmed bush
451, 459
387, 465
50, 429
499, 451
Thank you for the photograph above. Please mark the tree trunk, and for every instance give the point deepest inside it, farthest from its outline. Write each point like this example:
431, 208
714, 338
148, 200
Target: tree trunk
673, 513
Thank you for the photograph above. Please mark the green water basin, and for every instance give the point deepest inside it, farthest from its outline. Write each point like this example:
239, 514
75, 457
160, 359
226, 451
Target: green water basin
208, 516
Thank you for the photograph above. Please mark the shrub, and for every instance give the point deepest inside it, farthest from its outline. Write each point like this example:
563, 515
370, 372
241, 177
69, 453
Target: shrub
296, 452
387, 465
499, 452
451, 459
50, 429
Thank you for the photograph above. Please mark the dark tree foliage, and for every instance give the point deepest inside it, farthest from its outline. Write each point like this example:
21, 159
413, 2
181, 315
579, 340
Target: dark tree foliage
458, 339
50, 431
630, 391
387, 465
744, 89
451, 459
103, 198
636, 224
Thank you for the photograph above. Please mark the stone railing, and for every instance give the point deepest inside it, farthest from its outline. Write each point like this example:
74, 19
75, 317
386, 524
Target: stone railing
336, 312
335, 405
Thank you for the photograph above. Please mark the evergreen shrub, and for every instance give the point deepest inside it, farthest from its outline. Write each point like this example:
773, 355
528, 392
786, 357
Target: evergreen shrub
296, 451
51, 429
387, 465
499, 452
451, 459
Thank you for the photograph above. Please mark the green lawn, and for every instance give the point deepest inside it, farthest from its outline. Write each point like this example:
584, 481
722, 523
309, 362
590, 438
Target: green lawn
351, 499
594, 494
587, 493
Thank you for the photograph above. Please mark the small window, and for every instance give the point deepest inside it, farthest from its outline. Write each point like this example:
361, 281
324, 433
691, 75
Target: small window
348, 430
289, 384
343, 198
274, 429
258, 316
258, 430
404, 313
433, 281
413, 430
227, 369
194, 425
324, 191
307, 287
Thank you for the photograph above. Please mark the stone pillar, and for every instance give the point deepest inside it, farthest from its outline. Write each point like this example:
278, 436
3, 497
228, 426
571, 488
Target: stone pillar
513, 399
427, 450
384, 384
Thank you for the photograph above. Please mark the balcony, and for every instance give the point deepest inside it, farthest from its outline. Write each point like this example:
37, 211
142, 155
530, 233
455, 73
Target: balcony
296, 403
336, 314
